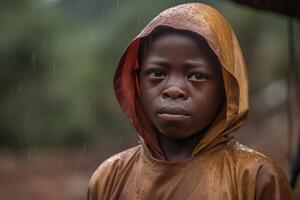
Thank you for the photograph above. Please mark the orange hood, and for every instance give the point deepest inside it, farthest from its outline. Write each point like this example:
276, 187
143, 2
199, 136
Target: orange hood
212, 26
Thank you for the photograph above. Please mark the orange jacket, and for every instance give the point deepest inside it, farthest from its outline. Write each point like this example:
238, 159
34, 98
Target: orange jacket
220, 167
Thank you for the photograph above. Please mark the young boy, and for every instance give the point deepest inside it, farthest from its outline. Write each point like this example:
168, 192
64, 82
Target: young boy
182, 83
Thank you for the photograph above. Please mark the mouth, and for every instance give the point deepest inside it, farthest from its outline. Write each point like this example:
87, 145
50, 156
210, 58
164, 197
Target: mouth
173, 113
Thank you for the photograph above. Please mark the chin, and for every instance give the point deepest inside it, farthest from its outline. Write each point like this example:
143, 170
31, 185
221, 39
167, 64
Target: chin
175, 134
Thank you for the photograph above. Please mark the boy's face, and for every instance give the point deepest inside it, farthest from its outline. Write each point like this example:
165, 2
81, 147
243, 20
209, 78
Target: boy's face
181, 85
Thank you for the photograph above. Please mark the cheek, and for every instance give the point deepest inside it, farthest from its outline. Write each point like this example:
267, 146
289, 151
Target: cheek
143, 92
149, 90
209, 100
147, 97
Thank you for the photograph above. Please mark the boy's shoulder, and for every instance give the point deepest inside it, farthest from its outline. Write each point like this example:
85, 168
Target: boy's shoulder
115, 163
246, 155
247, 160
121, 157
111, 171
246, 152
255, 170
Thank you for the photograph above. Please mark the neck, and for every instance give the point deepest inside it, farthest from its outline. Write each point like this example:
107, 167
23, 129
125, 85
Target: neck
179, 149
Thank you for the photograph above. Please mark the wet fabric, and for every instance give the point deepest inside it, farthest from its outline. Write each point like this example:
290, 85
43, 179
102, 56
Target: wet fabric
220, 167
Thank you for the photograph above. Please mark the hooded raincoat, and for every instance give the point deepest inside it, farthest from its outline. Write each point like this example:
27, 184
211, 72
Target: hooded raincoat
220, 167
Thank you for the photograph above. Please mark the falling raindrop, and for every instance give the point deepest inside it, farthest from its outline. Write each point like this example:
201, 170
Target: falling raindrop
91, 62
49, 88
91, 36
93, 97
120, 142
33, 58
88, 110
84, 145
61, 160
25, 122
118, 3
29, 154
59, 45
57, 14
77, 104
54, 68
139, 20
57, 139
20, 88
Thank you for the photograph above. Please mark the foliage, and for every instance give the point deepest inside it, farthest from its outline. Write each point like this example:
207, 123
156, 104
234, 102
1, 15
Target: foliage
58, 60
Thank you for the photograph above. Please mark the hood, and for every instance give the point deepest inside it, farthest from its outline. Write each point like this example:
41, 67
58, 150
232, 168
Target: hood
214, 28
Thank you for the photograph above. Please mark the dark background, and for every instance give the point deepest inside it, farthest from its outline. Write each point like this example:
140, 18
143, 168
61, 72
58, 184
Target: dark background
59, 118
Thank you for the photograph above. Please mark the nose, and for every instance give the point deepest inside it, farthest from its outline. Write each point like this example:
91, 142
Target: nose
174, 92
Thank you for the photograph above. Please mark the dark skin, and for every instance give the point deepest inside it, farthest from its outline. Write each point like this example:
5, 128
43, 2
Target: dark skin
181, 91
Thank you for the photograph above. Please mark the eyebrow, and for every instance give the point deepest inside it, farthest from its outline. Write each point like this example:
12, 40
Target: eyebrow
158, 61
191, 63
195, 63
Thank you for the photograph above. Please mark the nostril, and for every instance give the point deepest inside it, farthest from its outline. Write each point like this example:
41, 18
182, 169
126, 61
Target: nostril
181, 96
165, 95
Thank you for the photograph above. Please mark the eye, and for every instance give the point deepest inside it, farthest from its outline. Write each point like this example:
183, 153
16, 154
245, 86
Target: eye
156, 73
197, 77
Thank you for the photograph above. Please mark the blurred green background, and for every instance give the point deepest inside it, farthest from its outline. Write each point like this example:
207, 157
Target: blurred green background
57, 61
58, 58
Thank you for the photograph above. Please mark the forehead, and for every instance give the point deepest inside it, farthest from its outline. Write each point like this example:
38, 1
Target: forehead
176, 43
179, 35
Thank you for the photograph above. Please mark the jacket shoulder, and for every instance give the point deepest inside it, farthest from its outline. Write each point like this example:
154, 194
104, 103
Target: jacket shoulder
109, 170
116, 162
262, 173
246, 153
249, 159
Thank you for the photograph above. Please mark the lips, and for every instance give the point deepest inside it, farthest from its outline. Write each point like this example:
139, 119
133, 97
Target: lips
173, 110
173, 113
